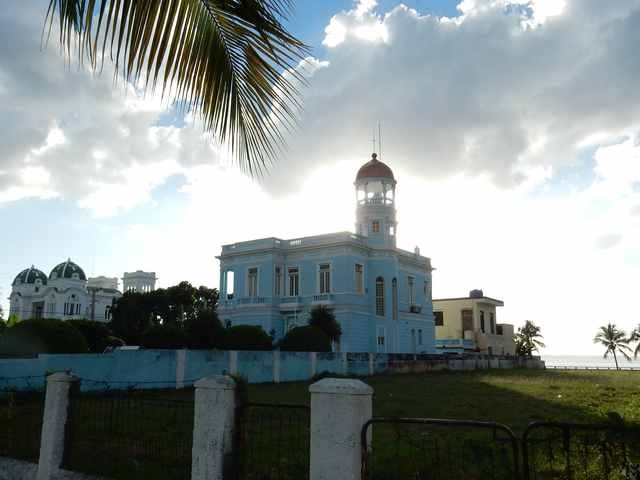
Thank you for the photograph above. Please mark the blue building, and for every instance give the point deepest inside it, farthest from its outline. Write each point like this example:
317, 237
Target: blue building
380, 294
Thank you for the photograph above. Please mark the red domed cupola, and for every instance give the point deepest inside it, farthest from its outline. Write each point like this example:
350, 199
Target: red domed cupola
374, 168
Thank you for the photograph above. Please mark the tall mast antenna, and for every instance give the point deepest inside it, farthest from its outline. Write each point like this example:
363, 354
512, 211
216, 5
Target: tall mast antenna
373, 140
380, 140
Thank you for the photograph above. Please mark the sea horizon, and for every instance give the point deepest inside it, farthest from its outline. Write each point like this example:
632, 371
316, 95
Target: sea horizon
588, 361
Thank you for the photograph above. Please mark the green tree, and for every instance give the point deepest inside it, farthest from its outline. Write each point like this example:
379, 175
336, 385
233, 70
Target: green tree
324, 318
615, 340
224, 58
205, 331
305, 339
528, 339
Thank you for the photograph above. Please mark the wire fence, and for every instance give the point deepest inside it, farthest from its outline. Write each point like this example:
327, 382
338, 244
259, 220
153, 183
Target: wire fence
434, 449
21, 414
130, 434
272, 442
566, 451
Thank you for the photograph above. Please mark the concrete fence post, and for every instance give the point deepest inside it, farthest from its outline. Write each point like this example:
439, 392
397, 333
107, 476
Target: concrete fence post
54, 422
339, 409
371, 368
213, 427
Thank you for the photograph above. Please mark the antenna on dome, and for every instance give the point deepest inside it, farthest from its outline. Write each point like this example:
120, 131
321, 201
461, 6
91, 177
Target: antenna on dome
379, 140
373, 140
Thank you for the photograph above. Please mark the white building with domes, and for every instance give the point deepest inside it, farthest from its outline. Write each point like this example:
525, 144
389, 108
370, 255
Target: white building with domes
65, 294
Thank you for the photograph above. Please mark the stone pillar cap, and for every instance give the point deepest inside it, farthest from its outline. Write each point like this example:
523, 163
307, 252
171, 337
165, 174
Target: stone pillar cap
62, 377
217, 382
341, 386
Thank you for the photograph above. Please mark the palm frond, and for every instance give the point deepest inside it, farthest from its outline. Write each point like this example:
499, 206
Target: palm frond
224, 58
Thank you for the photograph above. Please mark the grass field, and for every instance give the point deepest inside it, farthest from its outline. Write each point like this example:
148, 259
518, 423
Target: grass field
512, 397
141, 432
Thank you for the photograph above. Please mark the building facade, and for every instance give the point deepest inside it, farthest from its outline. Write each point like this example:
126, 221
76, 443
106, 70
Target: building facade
380, 294
139, 281
65, 294
470, 324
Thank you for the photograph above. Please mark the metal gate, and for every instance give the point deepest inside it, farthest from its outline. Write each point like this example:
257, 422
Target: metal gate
434, 449
272, 442
568, 451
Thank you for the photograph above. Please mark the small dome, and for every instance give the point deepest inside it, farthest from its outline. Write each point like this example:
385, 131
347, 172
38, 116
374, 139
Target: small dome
30, 275
374, 168
67, 269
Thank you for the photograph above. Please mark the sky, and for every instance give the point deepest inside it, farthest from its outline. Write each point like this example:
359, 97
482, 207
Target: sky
512, 127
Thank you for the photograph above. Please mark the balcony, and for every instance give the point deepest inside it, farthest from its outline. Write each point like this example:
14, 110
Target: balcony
323, 299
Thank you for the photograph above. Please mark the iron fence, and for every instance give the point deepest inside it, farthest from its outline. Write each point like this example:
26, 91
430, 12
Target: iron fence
131, 434
272, 442
433, 449
566, 451
21, 415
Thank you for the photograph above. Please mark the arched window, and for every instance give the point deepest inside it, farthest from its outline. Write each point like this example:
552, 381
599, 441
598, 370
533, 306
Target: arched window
380, 296
394, 298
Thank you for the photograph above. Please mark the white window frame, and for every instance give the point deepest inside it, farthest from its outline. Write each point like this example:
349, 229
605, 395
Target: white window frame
381, 347
277, 282
319, 281
288, 280
411, 290
248, 287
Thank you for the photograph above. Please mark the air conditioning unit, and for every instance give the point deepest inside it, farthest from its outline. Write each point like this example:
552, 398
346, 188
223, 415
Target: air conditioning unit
416, 308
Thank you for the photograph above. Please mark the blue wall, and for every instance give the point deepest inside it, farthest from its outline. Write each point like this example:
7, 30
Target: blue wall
154, 369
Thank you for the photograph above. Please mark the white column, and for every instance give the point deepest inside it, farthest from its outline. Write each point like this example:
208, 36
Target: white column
339, 409
276, 366
233, 362
52, 438
371, 368
214, 420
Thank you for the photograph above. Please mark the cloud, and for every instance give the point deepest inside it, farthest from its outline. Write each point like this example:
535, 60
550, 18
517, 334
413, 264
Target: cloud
608, 241
505, 88
71, 134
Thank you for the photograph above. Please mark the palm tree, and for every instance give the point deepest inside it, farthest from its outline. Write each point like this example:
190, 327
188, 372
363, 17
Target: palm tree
528, 339
635, 337
223, 57
615, 340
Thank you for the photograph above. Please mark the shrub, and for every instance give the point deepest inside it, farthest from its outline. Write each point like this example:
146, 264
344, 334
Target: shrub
163, 336
305, 339
205, 331
323, 318
246, 337
111, 341
31, 337
93, 332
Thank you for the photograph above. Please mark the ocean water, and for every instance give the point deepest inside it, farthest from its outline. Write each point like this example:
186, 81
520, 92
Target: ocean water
588, 361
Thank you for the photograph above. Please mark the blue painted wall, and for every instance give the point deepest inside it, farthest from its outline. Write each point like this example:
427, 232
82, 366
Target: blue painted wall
153, 369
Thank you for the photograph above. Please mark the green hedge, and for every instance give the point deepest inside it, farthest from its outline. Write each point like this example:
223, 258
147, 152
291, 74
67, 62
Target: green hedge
305, 339
94, 333
31, 337
205, 331
247, 337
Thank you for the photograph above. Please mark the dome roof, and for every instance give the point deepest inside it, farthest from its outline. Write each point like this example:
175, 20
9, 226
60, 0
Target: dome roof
374, 168
30, 275
67, 270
